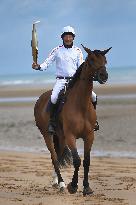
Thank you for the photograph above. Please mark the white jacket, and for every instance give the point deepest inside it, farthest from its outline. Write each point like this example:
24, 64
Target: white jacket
67, 60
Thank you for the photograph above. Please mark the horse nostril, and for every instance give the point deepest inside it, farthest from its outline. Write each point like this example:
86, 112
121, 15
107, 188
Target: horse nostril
106, 75
102, 76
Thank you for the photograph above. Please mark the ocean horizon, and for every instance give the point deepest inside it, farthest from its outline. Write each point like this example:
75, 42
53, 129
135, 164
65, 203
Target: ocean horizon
117, 75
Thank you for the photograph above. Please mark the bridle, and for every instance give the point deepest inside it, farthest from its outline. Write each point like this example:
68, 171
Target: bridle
96, 76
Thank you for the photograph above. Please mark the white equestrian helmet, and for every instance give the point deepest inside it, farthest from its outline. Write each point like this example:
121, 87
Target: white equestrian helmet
68, 29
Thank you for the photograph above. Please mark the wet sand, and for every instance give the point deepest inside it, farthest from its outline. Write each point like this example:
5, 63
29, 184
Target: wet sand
36, 90
25, 178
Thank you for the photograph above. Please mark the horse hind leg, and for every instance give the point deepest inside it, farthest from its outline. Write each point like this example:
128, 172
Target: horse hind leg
58, 178
65, 160
54, 179
50, 145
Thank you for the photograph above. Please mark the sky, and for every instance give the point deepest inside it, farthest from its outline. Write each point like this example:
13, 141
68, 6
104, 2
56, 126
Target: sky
99, 24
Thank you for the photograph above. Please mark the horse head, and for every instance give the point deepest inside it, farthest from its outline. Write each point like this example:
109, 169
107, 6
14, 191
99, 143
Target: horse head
96, 60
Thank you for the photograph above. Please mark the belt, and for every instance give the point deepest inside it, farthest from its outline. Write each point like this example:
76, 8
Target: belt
65, 78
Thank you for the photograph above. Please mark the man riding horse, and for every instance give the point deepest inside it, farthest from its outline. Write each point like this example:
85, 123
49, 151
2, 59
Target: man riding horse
68, 59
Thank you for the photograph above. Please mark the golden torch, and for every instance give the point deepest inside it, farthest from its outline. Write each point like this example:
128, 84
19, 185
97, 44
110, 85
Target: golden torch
34, 43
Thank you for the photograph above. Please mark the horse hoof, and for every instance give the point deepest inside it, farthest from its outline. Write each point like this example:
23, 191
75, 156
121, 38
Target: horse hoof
62, 187
55, 186
72, 189
87, 191
62, 190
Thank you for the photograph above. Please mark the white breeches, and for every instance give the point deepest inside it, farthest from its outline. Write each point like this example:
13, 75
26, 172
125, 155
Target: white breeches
59, 85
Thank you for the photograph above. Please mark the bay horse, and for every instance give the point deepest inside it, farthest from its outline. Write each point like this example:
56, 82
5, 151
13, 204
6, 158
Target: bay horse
76, 119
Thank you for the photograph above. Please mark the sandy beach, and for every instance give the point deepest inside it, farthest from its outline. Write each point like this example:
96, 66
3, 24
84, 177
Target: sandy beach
25, 165
25, 178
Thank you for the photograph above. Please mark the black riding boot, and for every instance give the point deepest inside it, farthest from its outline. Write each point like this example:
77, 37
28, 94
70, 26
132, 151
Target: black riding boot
96, 127
52, 125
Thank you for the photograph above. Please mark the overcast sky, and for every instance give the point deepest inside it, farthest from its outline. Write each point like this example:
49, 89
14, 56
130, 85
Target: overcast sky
99, 24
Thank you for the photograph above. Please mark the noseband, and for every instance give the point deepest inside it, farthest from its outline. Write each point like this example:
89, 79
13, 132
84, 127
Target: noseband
96, 74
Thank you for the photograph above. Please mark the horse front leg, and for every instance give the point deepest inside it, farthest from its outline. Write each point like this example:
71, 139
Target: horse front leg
73, 185
55, 162
86, 164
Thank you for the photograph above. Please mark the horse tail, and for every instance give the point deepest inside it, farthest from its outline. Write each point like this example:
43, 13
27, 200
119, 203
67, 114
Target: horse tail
66, 158
63, 153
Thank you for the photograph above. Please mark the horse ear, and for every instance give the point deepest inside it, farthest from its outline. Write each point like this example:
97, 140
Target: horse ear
105, 51
86, 49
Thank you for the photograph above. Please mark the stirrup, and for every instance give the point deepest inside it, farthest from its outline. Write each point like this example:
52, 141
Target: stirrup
96, 127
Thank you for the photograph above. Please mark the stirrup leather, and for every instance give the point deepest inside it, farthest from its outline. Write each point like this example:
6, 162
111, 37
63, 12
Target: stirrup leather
51, 126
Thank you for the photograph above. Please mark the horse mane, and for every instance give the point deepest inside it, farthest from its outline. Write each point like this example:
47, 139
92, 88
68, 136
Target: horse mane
75, 76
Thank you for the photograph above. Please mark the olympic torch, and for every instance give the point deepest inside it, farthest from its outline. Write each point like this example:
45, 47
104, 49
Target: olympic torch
34, 43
